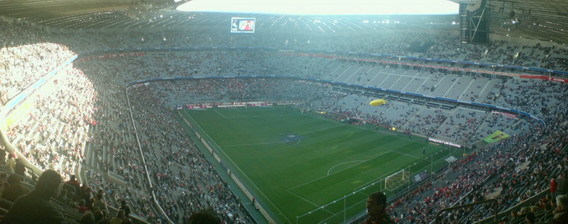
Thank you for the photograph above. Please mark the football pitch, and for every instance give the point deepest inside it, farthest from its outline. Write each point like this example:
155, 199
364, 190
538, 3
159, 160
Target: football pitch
305, 168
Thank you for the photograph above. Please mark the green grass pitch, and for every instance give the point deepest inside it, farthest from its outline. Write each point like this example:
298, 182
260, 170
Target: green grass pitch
305, 180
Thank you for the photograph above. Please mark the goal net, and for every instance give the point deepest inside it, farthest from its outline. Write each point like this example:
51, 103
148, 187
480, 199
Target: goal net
395, 180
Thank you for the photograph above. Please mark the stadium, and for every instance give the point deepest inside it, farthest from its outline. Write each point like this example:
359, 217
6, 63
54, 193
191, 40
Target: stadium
157, 111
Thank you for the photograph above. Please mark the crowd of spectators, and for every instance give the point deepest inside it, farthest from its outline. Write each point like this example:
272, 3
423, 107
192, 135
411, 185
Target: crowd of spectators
194, 91
184, 180
181, 177
510, 171
52, 135
30, 62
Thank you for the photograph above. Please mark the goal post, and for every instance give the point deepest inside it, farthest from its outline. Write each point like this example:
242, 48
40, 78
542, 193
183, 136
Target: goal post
351, 204
395, 180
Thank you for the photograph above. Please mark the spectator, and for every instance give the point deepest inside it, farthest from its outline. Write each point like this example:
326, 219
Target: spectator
86, 196
204, 217
376, 204
99, 203
562, 184
35, 206
20, 168
530, 218
13, 188
73, 182
11, 162
73, 188
100, 217
87, 218
2, 155
120, 217
553, 187
561, 212
81, 206
125, 208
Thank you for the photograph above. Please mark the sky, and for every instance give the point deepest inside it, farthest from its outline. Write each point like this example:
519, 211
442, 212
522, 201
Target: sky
325, 7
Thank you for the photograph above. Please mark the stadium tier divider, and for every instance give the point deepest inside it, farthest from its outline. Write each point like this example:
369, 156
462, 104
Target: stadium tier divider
154, 198
213, 150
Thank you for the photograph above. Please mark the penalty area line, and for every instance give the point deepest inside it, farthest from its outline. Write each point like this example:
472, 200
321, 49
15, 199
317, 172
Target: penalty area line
251, 144
402, 153
310, 202
339, 164
221, 115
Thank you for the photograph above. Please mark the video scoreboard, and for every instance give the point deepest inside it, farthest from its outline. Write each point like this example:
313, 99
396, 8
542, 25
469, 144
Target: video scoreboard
242, 25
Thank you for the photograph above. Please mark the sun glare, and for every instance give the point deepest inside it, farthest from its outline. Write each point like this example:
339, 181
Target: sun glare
325, 7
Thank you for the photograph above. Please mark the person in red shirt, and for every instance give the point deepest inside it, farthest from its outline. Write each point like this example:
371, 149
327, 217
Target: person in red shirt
553, 187
72, 181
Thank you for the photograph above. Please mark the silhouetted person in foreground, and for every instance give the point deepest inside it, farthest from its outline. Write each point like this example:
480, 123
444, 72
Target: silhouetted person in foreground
561, 211
204, 217
376, 204
35, 207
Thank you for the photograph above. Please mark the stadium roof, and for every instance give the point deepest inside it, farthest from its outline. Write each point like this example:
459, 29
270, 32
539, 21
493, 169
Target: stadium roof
537, 19
542, 19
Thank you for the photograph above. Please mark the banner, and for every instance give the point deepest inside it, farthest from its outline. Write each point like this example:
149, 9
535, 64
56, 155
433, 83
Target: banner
514, 116
497, 136
18, 114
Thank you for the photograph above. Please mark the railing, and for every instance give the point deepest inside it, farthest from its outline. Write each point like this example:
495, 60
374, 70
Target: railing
215, 151
516, 207
496, 208
155, 199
